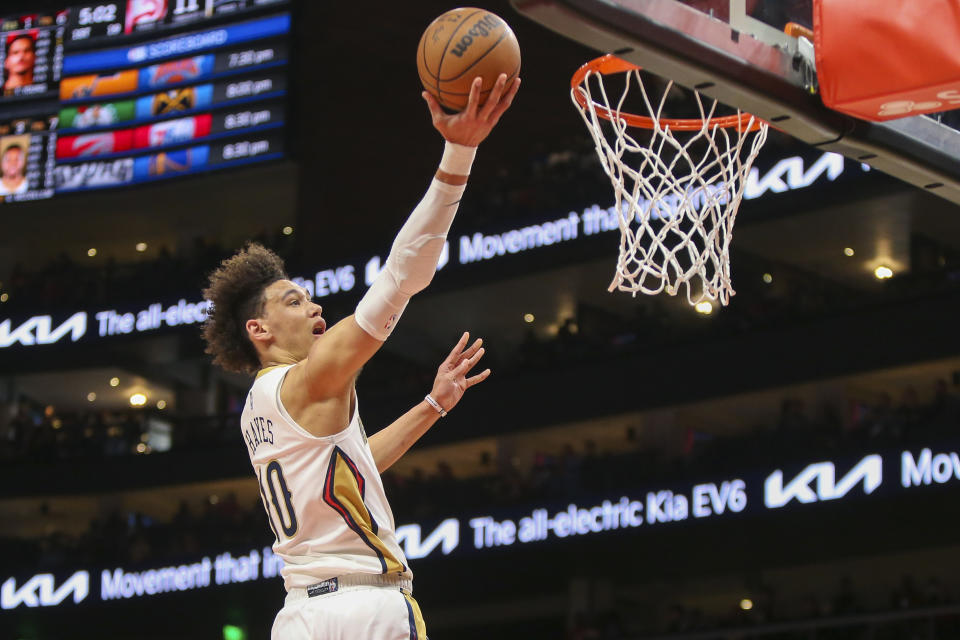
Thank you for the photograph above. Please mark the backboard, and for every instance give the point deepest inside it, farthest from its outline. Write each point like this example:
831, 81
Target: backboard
737, 52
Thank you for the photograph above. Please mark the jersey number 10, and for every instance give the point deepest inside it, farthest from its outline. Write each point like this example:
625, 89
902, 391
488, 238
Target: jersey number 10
285, 513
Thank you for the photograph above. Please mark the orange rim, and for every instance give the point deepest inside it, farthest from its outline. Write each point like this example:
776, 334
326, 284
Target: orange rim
609, 64
795, 30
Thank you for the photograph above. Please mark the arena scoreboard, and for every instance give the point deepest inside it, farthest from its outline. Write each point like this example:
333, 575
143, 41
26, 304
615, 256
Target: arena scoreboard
111, 94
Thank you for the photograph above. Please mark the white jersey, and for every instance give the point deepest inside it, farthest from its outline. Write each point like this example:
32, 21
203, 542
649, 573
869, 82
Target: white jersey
323, 495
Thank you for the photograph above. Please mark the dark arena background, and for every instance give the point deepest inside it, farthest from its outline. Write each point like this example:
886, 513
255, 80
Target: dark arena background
782, 468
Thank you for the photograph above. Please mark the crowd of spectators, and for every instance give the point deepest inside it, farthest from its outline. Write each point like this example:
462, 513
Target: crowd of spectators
133, 538
840, 613
37, 432
32, 431
67, 283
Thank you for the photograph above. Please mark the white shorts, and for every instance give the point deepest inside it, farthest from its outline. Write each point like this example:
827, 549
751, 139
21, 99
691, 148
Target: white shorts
370, 613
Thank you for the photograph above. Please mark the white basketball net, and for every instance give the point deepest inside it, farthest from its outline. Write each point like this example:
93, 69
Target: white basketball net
677, 198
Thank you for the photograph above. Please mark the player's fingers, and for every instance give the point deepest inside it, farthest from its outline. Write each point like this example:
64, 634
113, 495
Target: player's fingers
480, 377
473, 102
458, 348
504, 104
468, 363
494, 98
436, 113
472, 349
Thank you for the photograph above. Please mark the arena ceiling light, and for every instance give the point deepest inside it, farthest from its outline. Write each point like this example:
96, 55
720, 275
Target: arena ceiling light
883, 272
138, 400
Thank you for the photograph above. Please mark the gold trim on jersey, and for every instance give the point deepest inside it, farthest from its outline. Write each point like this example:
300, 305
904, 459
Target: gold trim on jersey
343, 489
267, 370
418, 628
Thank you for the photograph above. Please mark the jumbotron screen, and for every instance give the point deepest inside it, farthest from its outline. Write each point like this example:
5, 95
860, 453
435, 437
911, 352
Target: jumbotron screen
112, 94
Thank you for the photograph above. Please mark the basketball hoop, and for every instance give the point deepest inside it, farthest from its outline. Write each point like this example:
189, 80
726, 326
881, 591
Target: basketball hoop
676, 198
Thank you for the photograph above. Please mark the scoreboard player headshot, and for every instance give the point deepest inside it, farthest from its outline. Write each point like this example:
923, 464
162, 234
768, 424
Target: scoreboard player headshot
13, 165
19, 58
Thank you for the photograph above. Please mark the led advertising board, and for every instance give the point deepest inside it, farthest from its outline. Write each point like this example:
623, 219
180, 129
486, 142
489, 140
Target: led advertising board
871, 478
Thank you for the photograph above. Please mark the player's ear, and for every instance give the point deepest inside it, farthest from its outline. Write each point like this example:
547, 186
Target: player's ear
257, 330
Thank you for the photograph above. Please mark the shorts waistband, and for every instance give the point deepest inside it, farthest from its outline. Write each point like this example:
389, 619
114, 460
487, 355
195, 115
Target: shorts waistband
349, 581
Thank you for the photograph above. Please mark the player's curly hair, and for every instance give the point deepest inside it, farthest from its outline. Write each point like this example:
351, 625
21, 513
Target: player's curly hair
235, 290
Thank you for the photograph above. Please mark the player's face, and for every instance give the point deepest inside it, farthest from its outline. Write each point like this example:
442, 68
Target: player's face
21, 57
12, 164
294, 320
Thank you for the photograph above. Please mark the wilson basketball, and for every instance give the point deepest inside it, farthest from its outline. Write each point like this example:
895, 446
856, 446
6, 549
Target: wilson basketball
461, 45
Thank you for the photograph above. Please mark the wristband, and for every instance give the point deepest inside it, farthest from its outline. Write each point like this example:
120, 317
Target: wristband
457, 159
436, 405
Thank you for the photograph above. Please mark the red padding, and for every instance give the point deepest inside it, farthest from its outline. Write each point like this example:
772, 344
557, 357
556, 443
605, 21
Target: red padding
891, 59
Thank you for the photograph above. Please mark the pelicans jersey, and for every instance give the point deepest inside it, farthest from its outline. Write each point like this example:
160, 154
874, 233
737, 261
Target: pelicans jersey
323, 495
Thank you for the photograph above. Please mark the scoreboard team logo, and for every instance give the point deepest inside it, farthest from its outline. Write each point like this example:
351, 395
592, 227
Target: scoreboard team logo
172, 131
80, 87
175, 71
144, 12
179, 161
173, 101
170, 163
94, 144
96, 115
94, 174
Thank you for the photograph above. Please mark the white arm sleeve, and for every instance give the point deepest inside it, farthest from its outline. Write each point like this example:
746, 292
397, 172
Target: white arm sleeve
416, 250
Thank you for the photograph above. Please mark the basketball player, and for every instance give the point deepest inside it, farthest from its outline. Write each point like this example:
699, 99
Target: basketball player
319, 475
18, 62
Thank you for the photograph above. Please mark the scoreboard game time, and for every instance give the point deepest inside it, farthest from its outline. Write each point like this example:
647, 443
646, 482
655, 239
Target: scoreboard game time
117, 93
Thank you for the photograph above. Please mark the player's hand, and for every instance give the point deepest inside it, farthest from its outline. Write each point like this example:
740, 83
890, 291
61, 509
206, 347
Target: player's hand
472, 125
452, 381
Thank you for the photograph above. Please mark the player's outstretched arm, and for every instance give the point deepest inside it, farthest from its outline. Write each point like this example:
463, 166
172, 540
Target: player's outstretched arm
338, 356
449, 386
413, 258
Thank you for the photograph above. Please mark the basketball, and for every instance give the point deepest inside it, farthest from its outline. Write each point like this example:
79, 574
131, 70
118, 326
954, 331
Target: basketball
459, 46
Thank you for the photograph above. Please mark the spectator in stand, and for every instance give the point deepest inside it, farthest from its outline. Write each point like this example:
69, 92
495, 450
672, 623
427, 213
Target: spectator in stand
909, 413
846, 602
945, 409
879, 423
